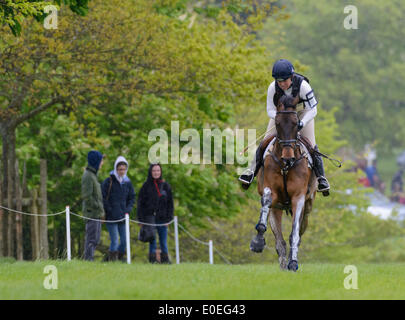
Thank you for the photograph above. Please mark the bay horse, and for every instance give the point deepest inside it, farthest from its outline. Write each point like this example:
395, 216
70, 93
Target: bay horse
285, 182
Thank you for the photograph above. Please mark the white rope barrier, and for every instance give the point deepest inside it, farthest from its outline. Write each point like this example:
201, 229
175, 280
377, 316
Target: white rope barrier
176, 239
152, 224
192, 237
210, 245
68, 250
222, 256
127, 238
33, 214
98, 220
127, 220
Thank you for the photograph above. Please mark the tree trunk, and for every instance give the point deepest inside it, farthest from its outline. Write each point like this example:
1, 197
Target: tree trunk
43, 220
55, 240
18, 220
34, 226
80, 247
11, 215
8, 138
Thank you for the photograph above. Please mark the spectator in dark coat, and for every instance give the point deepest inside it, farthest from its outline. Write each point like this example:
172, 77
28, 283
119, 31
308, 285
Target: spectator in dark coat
155, 199
92, 203
118, 198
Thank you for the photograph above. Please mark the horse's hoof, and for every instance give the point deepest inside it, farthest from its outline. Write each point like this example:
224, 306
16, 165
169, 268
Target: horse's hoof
257, 244
283, 263
293, 265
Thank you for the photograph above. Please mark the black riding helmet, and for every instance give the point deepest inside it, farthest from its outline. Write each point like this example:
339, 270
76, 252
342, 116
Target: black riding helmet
282, 69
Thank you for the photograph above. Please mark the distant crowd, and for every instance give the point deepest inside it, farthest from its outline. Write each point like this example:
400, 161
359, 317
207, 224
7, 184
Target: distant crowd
373, 179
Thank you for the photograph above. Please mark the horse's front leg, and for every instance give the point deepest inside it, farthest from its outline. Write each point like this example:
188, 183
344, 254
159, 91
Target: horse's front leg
258, 242
298, 204
281, 247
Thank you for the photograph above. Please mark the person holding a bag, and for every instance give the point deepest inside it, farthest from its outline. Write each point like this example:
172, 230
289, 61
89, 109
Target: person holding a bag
155, 206
118, 198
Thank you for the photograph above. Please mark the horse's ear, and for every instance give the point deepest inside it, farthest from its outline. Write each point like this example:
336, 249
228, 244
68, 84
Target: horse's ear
283, 101
288, 101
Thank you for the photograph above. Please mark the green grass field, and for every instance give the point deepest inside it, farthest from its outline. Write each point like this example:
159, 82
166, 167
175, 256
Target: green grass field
86, 280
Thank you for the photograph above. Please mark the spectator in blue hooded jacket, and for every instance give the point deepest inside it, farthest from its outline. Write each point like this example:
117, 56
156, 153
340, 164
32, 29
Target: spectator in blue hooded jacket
118, 198
92, 203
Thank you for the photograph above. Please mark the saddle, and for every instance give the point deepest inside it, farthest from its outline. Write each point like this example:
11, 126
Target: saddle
304, 144
265, 143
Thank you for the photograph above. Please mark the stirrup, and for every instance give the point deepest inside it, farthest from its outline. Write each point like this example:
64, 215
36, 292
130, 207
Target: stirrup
247, 177
325, 191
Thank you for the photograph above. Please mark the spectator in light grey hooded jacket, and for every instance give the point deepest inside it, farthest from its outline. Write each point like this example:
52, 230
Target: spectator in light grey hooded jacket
118, 198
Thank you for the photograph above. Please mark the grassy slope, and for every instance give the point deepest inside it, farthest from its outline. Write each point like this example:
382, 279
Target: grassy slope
84, 280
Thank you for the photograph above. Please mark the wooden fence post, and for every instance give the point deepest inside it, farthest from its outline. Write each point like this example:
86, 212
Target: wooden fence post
34, 226
43, 220
18, 217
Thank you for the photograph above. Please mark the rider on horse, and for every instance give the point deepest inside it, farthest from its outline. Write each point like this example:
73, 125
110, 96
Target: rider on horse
289, 83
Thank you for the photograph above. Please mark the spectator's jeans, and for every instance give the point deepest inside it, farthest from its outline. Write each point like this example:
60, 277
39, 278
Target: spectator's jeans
162, 232
115, 229
92, 239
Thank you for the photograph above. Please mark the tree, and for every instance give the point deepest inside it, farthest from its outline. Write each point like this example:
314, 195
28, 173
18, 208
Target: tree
13, 13
106, 80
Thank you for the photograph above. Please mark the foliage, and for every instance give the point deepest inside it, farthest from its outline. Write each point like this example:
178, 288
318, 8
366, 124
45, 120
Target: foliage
124, 70
360, 71
13, 13
127, 70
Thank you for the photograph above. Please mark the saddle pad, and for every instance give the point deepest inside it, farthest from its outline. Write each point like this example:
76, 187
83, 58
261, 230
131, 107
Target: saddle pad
269, 148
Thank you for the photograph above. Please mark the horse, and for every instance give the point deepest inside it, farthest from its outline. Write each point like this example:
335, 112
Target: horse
285, 182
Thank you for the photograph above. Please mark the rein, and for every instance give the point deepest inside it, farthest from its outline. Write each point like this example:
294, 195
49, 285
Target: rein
286, 167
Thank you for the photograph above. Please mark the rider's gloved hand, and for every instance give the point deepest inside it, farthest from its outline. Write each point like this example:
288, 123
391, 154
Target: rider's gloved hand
300, 125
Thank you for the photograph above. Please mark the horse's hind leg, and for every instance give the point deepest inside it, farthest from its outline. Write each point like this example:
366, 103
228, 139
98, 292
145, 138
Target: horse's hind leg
257, 244
281, 246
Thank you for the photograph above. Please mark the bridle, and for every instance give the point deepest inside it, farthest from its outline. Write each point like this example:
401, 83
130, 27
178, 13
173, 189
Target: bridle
290, 142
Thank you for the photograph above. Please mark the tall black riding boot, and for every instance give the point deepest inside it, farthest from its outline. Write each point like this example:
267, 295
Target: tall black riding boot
323, 184
247, 177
